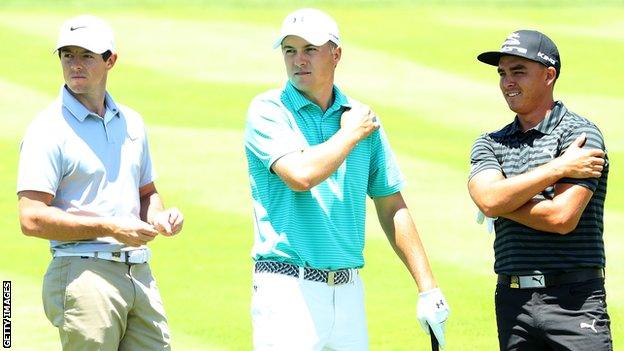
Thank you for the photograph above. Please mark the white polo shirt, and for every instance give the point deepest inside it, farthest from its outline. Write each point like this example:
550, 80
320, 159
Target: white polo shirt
92, 166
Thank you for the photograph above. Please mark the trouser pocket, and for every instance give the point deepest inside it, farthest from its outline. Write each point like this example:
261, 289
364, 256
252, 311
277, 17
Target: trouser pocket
53, 291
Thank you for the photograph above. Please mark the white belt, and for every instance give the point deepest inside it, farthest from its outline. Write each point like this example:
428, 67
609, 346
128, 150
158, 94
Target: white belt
130, 257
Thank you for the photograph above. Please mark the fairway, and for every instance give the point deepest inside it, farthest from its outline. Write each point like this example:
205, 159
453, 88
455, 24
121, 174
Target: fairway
192, 68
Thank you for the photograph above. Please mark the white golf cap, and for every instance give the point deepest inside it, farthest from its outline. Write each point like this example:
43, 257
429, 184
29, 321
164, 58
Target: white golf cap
313, 25
86, 31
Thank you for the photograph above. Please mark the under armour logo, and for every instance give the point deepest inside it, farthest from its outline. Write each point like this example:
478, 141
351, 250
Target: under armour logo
589, 326
440, 304
538, 279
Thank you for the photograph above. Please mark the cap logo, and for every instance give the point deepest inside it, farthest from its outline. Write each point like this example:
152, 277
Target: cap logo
512, 39
547, 58
314, 26
513, 48
511, 44
298, 19
74, 28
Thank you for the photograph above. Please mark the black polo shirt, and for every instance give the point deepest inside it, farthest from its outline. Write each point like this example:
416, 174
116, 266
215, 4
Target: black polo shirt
519, 249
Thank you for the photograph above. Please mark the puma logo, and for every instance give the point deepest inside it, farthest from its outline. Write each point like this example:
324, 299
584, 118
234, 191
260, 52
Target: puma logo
538, 279
550, 153
589, 326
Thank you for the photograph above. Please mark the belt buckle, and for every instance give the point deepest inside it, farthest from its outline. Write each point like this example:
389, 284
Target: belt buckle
331, 278
532, 281
116, 256
514, 284
136, 256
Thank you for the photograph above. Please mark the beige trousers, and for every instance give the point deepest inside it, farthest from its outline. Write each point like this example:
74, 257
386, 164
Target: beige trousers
104, 305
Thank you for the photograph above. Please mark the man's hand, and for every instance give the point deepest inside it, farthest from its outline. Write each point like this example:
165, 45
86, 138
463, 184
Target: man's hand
577, 162
489, 221
132, 231
432, 311
168, 222
359, 122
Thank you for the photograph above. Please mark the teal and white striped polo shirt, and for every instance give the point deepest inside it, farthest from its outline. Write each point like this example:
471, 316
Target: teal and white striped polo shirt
324, 227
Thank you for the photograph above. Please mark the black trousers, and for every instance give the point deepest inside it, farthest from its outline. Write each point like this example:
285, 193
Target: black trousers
567, 317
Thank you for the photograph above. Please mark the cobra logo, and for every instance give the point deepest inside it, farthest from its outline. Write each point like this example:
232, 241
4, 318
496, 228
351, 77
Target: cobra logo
513, 48
512, 39
512, 44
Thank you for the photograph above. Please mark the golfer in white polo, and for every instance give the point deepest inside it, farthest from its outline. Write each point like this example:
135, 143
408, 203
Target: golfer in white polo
85, 182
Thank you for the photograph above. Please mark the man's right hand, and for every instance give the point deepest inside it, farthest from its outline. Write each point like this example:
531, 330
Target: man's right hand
359, 122
577, 162
432, 311
132, 231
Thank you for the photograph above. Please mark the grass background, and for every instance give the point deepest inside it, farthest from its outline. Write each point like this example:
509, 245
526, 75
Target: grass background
191, 68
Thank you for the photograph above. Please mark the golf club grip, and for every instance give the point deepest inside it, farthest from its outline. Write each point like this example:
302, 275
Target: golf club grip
434, 341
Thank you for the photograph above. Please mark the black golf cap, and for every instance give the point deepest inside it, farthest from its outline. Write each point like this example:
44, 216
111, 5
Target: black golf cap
531, 45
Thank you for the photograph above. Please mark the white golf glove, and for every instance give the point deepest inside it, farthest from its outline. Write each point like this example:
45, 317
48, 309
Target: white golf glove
432, 311
488, 220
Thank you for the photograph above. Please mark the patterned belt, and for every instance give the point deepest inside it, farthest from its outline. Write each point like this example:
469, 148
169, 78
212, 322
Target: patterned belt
548, 280
342, 276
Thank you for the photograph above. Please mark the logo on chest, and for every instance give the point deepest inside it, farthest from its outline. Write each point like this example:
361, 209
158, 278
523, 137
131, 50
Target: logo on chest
552, 153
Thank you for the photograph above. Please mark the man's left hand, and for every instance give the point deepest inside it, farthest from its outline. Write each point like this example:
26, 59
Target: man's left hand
168, 222
432, 311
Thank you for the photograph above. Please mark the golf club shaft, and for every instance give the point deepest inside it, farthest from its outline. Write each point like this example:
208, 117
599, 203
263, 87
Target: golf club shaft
434, 341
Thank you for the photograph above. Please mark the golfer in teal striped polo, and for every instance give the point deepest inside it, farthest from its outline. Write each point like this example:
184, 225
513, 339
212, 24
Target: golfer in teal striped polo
314, 155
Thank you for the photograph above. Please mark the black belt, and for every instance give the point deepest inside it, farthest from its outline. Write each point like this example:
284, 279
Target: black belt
341, 276
532, 281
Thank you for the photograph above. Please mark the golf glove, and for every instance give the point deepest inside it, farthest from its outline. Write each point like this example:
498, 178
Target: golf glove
432, 311
488, 220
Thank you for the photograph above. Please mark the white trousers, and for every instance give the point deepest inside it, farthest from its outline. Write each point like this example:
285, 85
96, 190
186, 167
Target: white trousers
293, 314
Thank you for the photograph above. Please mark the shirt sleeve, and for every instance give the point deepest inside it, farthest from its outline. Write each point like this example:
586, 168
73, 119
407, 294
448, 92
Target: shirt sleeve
40, 162
270, 133
137, 133
385, 177
148, 174
594, 140
482, 157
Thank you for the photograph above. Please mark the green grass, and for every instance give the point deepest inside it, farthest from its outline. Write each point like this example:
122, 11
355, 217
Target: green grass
194, 66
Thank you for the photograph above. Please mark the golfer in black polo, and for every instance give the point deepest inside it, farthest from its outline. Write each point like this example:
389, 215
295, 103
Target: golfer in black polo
543, 179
